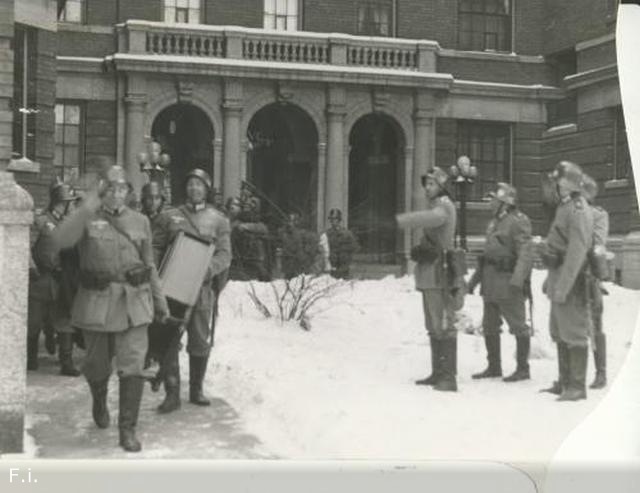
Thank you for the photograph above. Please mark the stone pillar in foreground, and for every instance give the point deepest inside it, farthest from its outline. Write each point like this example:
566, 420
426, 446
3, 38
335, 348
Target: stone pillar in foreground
16, 215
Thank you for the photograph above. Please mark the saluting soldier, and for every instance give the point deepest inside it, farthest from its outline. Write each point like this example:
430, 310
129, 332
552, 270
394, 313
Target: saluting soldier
199, 218
438, 222
600, 235
119, 293
567, 286
503, 272
45, 311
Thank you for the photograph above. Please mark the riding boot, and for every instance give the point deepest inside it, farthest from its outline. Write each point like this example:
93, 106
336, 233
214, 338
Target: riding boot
558, 385
100, 410
65, 352
197, 369
600, 359
576, 388
447, 380
50, 340
130, 396
523, 346
435, 357
494, 369
32, 353
171, 400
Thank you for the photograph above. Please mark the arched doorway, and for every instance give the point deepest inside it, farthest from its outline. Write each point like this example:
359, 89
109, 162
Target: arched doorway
282, 162
185, 133
375, 174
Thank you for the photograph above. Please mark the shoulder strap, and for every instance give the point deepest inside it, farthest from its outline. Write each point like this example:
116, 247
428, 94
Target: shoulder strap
193, 225
123, 233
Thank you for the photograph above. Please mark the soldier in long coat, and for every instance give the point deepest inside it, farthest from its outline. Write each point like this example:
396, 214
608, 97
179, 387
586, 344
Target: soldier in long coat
118, 295
438, 224
567, 286
46, 309
503, 272
342, 244
600, 234
199, 218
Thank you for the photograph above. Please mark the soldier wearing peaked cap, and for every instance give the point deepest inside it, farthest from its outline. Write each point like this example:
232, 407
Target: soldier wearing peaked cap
565, 255
438, 224
503, 273
119, 294
45, 312
600, 232
203, 220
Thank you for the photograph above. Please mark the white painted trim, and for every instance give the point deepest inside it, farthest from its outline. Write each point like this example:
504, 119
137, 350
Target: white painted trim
491, 55
590, 43
616, 183
567, 128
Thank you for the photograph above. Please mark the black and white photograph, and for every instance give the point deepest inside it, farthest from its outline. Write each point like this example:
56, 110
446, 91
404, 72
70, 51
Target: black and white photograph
358, 231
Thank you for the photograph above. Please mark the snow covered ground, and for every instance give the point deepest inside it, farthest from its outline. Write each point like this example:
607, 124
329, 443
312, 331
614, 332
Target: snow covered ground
344, 390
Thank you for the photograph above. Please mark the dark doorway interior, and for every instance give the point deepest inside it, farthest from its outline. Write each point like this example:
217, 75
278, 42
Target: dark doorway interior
282, 162
186, 134
373, 184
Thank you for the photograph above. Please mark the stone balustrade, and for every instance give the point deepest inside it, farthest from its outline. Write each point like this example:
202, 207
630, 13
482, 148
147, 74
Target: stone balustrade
155, 38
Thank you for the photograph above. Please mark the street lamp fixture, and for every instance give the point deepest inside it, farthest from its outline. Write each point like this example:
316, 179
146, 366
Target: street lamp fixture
463, 174
154, 162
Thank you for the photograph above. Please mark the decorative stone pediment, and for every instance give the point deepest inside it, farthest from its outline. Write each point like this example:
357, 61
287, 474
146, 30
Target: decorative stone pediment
185, 91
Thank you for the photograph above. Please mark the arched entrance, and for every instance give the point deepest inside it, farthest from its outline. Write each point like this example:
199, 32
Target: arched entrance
185, 133
375, 175
282, 162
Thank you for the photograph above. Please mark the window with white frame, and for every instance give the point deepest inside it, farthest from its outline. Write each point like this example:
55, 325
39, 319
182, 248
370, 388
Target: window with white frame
68, 138
484, 25
73, 11
281, 15
182, 11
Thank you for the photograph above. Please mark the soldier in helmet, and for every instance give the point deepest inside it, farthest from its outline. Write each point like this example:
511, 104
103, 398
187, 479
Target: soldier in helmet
601, 232
503, 273
45, 312
565, 255
341, 243
118, 295
197, 217
438, 223
152, 201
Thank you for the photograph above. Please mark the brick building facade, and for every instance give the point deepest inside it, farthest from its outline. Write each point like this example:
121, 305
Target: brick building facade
338, 103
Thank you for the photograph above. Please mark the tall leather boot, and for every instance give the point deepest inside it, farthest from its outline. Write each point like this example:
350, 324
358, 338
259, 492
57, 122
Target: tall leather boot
100, 410
558, 385
447, 380
600, 359
171, 400
197, 369
523, 346
50, 340
494, 369
576, 388
32, 353
435, 359
130, 396
65, 352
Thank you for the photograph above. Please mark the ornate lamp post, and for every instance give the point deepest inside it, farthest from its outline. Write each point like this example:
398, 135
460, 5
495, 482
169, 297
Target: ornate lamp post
155, 163
462, 176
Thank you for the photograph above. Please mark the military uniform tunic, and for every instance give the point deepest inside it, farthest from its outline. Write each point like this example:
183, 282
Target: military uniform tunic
438, 222
600, 235
114, 317
505, 265
570, 238
206, 222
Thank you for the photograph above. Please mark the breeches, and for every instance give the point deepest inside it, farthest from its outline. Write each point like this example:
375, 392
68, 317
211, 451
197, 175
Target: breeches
127, 348
438, 314
512, 310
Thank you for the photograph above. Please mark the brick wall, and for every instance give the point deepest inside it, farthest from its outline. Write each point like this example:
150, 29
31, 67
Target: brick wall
597, 56
100, 133
247, 13
6, 82
102, 12
495, 71
149, 10
86, 44
330, 16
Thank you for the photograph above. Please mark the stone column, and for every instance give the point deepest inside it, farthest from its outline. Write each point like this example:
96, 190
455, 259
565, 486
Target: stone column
135, 106
232, 111
334, 181
217, 163
322, 174
16, 215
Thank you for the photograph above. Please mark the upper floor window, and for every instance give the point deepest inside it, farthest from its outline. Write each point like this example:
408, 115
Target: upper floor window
488, 145
565, 110
182, 11
68, 139
484, 25
375, 18
281, 15
73, 11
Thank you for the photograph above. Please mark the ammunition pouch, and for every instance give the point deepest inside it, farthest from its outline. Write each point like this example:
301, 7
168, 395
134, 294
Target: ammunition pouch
456, 262
599, 266
140, 274
94, 280
502, 264
551, 259
426, 252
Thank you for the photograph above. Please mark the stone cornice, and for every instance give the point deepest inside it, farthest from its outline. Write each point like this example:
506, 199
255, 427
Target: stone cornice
80, 64
512, 91
590, 77
491, 56
590, 43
